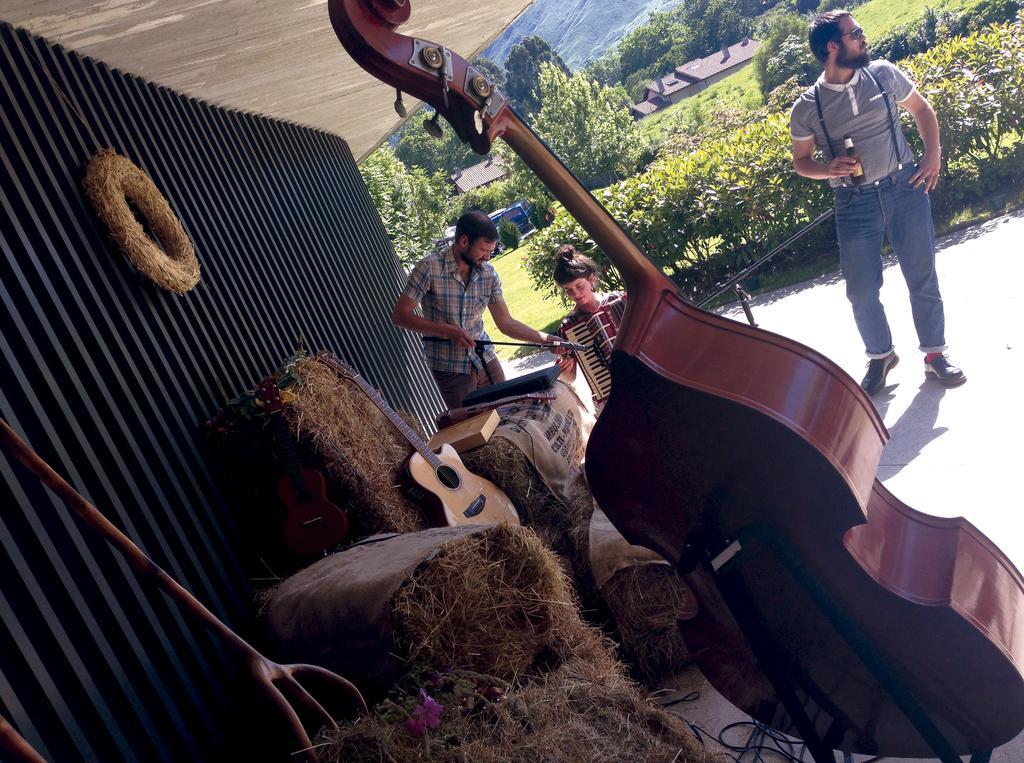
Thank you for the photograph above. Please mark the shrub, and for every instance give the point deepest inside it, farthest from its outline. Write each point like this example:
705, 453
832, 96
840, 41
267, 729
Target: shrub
934, 27
976, 86
785, 54
509, 234
698, 216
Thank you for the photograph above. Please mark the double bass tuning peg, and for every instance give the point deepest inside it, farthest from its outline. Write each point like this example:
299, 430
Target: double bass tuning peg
433, 127
399, 104
485, 90
434, 58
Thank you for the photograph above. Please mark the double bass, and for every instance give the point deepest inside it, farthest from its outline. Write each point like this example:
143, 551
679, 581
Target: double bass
827, 608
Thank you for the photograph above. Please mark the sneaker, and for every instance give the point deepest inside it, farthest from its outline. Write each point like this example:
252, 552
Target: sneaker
878, 369
947, 374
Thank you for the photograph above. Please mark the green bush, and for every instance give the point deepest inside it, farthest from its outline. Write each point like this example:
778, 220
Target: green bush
784, 54
508, 233
976, 86
700, 215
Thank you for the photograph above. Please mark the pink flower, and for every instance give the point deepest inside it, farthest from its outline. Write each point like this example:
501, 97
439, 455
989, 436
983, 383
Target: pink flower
429, 711
426, 715
415, 727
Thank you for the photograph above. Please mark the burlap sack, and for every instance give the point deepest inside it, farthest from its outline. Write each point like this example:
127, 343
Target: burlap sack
610, 552
337, 612
550, 434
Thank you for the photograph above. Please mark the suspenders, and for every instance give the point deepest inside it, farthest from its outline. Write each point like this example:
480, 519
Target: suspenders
888, 109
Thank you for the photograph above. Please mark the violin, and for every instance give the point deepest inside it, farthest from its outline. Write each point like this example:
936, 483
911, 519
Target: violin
827, 608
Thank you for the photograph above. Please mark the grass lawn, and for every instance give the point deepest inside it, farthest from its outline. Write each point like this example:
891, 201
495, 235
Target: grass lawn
524, 302
738, 89
879, 16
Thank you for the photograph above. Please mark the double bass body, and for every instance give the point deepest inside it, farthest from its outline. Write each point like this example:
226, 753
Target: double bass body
932, 598
884, 621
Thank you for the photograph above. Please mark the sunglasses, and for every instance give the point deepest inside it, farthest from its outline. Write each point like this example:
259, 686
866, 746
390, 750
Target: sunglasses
855, 34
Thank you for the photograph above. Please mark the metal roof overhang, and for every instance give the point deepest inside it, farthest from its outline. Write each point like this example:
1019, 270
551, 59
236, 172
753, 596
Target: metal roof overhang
280, 58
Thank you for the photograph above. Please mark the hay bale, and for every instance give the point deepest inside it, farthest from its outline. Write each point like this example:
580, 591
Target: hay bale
584, 710
359, 446
581, 509
504, 464
494, 603
487, 599
645, 600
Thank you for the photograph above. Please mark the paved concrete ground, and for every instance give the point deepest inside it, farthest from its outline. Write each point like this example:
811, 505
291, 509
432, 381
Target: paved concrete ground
953, 452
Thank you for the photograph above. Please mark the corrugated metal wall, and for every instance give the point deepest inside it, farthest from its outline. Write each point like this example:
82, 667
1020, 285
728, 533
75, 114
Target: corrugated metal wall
107, 375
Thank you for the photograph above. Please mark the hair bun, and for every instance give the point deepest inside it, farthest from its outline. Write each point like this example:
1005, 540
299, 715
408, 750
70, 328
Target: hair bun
565, 253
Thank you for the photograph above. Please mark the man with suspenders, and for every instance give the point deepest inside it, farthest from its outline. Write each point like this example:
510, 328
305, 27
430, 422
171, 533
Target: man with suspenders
880, 193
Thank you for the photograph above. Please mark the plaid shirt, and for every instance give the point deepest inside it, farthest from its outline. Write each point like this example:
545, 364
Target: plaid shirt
435, 284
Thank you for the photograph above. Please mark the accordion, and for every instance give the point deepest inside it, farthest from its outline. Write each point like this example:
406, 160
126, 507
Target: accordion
597, 332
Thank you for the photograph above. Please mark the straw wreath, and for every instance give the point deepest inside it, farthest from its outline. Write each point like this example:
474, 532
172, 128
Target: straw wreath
113, 185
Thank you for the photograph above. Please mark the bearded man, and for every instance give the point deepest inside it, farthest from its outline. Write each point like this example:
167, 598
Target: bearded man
454, 287
880, 193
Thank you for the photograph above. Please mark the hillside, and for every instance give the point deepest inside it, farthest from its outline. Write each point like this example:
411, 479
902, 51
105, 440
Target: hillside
580, 30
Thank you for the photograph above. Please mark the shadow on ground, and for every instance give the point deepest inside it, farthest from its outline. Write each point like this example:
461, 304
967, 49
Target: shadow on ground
914, 429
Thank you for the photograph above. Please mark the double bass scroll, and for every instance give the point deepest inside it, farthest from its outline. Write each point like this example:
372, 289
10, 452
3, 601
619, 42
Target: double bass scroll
715, 429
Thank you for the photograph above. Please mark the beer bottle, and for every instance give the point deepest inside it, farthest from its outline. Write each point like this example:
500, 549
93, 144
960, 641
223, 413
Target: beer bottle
857, 176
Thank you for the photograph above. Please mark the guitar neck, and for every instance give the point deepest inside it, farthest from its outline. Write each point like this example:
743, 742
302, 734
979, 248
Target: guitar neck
417, 442
287, 451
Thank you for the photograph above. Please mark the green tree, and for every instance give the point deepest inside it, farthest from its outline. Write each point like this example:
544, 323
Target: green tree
784, 53
606, 70
588, 126
413, 205
712, 24
492, 70
416, 148
651, 43
522, 72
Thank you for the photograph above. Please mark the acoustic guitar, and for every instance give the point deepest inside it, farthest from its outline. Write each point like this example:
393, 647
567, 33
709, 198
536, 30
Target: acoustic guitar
313, 523
450, 494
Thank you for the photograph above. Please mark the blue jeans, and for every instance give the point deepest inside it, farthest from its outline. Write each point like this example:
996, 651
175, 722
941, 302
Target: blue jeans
889, 209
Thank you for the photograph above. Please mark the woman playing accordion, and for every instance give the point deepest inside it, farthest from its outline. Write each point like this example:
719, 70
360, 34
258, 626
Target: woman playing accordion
593, 322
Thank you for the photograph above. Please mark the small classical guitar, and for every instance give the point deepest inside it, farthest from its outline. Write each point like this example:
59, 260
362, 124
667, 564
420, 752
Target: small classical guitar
453, 495
313, 523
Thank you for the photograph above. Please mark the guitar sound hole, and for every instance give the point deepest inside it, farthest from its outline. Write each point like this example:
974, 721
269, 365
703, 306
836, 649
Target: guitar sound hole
448, 477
